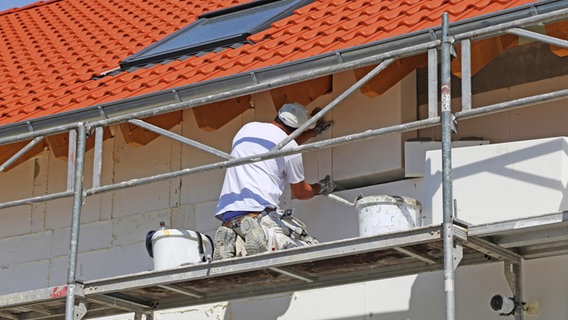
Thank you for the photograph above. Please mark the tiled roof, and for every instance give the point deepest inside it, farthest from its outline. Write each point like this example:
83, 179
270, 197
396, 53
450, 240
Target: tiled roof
52, 53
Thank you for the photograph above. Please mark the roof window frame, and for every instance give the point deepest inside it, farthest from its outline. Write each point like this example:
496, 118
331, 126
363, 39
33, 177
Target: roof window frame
209, 19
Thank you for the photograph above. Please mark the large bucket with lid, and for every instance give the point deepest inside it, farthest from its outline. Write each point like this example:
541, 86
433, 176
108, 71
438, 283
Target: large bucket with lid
173, 247
383, 214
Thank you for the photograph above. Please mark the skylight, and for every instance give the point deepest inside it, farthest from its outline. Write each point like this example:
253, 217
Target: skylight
216, 29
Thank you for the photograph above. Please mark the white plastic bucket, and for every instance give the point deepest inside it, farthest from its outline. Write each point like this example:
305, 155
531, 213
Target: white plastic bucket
172, 248
384, 214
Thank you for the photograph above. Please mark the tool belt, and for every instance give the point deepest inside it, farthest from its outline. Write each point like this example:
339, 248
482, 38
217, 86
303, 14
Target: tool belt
236, 222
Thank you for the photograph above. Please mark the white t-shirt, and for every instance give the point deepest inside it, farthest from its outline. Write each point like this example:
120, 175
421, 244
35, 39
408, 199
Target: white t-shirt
255, 186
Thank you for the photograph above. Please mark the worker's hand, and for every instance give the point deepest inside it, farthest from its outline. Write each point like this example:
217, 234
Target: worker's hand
315, 111
326, 185
321, 124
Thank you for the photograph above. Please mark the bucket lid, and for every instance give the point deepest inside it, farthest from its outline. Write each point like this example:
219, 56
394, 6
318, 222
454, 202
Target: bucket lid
388, 199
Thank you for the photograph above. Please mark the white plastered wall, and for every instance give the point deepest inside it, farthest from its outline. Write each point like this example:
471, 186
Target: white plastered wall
502, 181
34, 239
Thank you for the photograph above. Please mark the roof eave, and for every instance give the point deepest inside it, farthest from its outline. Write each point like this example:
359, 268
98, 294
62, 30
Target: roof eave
280, 75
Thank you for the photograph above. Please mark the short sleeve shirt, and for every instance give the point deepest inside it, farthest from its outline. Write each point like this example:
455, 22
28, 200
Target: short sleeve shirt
255, 186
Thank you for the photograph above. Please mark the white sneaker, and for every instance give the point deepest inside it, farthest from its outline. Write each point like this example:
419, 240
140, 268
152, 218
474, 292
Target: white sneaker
255, 239
224, 243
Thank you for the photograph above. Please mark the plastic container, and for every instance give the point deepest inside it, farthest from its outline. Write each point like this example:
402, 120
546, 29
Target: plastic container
172, 248
383, 214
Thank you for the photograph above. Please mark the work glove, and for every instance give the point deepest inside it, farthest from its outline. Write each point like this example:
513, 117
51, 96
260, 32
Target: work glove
321, 124
326, 185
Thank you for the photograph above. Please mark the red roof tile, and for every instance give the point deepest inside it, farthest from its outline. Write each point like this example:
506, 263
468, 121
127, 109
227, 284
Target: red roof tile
51, 51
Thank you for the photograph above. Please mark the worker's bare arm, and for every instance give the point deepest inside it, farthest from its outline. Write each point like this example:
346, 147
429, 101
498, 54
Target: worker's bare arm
303, 190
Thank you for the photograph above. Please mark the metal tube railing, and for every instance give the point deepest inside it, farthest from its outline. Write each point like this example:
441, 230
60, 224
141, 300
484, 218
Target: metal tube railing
433, 83
447, 197
227, 94
466, 74
538, 37
382, 66
21, 152
75, 223
537, 19
98, 156
333, 142
513, 104
177, 137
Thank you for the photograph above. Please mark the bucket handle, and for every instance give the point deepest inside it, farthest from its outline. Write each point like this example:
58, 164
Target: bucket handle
148, 243
201, 246
344, 201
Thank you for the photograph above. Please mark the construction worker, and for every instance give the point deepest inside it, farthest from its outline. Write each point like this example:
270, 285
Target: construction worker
248, 203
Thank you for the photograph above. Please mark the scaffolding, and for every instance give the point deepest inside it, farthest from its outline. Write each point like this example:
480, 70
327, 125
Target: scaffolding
327, 264
423, 249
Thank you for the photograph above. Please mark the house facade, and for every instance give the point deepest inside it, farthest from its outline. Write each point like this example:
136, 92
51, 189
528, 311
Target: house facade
156, 138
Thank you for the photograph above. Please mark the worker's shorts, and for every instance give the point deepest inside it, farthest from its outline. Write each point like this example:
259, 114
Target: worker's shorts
285, 231
281, 231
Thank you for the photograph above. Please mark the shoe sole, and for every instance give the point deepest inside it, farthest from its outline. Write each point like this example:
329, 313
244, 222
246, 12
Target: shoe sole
255, 240
224, 244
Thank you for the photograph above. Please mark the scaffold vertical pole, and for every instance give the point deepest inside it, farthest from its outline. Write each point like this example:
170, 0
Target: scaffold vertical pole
447, 197
75, 222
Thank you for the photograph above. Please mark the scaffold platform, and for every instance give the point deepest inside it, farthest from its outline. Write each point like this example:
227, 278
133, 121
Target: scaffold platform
327, 264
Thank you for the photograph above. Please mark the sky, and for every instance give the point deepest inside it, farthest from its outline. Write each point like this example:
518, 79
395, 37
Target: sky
8, 4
